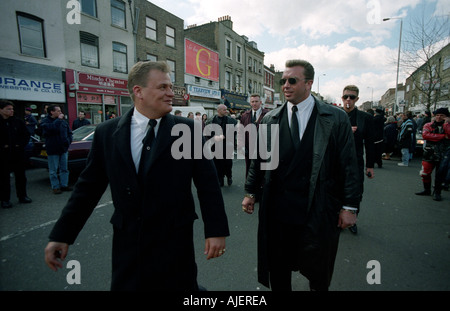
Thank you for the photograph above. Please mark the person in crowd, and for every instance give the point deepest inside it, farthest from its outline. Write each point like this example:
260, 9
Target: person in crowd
363, 129
378, 122
30, 121
426, 119
198, 116
58, 138
80, 121
437, 142
412, 147
313, 192
153, 247
390, 137
405, 137
419, 121
14, 136
178, 113
224, 164
190, 115
251, 116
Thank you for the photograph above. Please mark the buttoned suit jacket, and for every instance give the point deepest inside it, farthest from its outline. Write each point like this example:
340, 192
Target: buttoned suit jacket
152, 222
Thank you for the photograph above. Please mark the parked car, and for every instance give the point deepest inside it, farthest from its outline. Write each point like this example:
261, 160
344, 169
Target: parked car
78, 150
419, 143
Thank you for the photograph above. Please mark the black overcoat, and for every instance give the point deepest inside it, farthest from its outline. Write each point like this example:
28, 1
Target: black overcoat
334, 183
153, 223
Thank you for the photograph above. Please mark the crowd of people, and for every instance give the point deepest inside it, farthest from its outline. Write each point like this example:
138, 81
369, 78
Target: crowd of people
400, 135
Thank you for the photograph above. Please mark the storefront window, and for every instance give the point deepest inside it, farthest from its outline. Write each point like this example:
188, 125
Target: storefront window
125, 104
97, 107
110, 106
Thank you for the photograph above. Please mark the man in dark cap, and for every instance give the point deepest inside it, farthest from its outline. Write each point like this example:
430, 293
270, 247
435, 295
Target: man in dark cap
437, 137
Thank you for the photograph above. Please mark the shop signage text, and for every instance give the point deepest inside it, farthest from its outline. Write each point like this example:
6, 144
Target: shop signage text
27, 89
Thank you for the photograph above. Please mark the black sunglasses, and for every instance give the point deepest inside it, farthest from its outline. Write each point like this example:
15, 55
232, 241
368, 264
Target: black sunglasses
291, 81
352, 97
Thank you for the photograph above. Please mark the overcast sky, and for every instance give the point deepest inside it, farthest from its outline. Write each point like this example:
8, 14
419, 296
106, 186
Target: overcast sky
346, 41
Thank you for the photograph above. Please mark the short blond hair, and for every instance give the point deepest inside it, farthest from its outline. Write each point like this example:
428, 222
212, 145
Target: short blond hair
351, 88
139, 73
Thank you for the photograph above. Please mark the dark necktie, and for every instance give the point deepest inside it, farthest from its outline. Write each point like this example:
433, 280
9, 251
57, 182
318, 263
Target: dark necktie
147, 144
254, 117
295, 128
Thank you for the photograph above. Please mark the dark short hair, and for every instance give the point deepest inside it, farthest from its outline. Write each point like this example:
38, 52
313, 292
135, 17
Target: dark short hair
4, 103
52, 108
309, 69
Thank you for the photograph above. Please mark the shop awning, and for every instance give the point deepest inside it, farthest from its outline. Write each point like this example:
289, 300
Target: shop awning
236, 101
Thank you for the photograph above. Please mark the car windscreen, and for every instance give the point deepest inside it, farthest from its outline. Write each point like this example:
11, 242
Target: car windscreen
83, 133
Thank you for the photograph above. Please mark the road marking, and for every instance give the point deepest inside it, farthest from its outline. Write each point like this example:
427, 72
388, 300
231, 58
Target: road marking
13, 235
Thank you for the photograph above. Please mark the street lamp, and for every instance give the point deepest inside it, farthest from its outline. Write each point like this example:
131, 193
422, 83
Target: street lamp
398, 60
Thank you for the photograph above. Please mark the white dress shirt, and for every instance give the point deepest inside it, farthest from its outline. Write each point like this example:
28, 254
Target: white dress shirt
139, 128
304, 112
258, 113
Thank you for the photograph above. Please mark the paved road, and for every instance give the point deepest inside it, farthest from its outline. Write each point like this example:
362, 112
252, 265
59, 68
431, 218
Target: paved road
409, 236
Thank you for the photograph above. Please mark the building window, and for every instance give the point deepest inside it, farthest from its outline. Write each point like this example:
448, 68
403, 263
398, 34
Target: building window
171, 64
118, 13
238, 83
120, 57
228, 47
170, 36
228, 80
239, 54
150, 28
31, 35
152, 58
89, 7
89, 50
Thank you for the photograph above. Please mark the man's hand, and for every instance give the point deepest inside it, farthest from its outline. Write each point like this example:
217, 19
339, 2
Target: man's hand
370, 173
346, 219
248, 205
55, 253
214, 247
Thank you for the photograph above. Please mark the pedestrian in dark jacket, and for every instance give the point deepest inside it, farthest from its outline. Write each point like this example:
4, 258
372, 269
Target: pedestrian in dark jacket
80, 121
405, 137
378, 122
311, 194
14, 136
224, 164
58, 138
30, 121
390, 137
154, 209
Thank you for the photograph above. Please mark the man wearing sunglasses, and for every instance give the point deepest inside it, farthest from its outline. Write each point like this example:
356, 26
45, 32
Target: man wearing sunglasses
363, 128
313, 192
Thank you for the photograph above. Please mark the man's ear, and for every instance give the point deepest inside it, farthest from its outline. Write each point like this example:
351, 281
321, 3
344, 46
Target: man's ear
137, 91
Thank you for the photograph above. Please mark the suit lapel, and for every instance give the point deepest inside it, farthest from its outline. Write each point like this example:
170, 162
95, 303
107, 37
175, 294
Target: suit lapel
322, 132
122, 139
